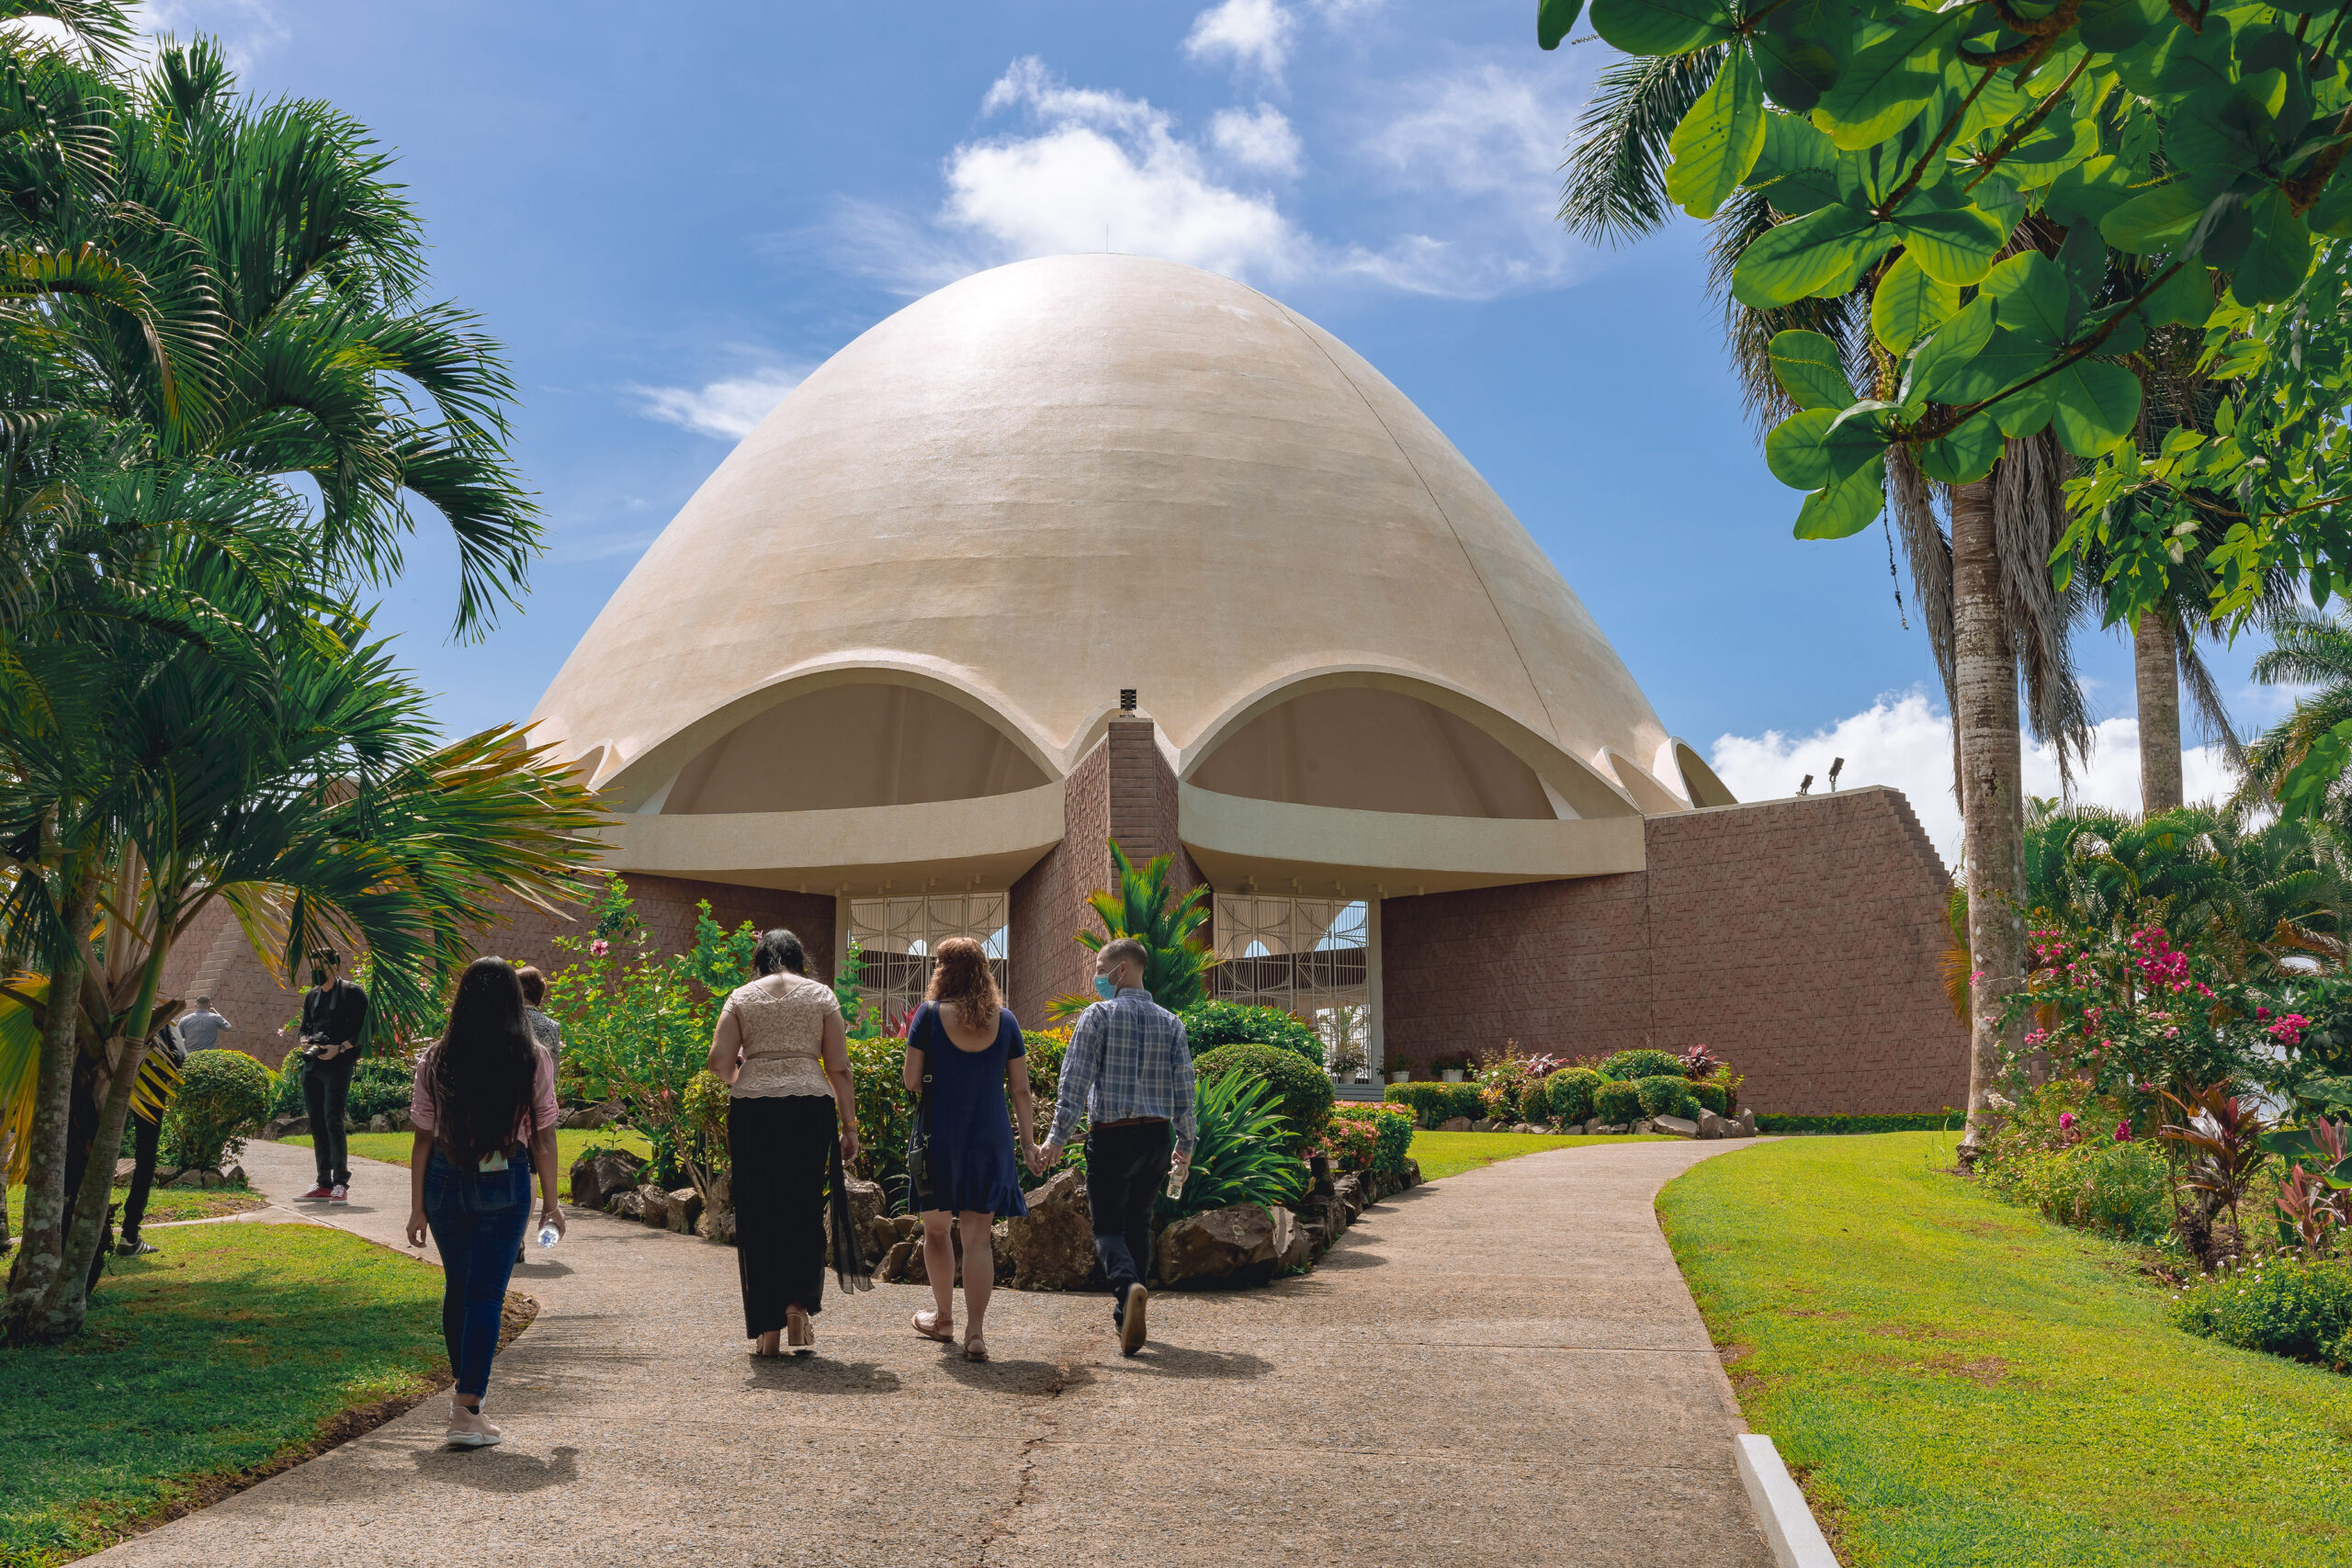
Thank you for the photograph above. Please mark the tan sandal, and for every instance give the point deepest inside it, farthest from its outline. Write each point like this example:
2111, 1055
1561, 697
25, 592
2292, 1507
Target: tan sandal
800, 1334
932, 1332
975, 1348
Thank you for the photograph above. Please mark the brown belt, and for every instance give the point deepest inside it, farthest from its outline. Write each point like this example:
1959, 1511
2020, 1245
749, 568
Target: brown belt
1132, 1122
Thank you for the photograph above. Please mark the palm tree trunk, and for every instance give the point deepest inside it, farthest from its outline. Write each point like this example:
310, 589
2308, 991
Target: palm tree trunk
43, 1248
2155, 670
1985, 720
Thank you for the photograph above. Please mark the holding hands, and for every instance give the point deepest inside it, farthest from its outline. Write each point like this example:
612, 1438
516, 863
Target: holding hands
1044, 1158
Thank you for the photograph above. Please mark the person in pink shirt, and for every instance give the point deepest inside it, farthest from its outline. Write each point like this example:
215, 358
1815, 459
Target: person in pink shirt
484, 1110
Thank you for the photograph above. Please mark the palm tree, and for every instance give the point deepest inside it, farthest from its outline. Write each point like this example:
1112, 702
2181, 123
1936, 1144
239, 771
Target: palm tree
1991, 611
2308, 649
1177, 958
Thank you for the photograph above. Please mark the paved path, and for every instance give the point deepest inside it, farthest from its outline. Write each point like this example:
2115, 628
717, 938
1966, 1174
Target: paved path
1502, 1368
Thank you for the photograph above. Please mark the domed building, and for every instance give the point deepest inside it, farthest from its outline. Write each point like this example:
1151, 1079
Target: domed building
1099, 547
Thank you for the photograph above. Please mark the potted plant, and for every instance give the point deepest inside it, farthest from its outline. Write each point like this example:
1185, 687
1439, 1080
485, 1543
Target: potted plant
1451, 1068
1401, 1075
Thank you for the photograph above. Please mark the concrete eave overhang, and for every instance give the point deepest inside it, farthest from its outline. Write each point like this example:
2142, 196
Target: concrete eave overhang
1390, 853
986, 841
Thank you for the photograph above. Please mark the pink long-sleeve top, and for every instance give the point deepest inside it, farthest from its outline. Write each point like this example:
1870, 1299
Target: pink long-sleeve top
540, 1116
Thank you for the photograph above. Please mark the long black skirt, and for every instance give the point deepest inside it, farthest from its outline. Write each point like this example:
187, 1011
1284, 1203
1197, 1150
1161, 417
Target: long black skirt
782, 1150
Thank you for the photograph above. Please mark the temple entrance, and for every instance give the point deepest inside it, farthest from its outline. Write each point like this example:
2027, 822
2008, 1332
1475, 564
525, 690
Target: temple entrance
1309, 956
895, 938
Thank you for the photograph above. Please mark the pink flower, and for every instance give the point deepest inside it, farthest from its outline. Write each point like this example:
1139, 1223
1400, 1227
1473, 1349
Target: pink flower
2123, 1132
2261, 1013
2289, 1031
598, 948
2065, 1120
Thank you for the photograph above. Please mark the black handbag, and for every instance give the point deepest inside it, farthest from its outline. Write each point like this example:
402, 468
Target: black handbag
918, 1171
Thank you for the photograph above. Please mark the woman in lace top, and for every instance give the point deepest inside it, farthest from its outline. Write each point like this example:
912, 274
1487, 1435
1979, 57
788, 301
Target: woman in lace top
781, 1048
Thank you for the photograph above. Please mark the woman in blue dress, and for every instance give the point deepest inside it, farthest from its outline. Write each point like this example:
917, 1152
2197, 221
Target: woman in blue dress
968, 1044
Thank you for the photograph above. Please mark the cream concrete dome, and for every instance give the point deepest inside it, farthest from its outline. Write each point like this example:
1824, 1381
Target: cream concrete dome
919, 585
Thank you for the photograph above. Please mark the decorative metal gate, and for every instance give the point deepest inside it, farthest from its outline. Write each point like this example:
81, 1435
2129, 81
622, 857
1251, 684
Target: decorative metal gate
1309, 956
895, 938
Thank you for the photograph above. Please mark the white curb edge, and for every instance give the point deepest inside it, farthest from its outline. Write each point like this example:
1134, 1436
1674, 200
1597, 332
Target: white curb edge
1789, 1525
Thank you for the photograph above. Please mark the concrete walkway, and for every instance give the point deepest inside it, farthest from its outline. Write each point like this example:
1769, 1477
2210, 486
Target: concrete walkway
1503, 1368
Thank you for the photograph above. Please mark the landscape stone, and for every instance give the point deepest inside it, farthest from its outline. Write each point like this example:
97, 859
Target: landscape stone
279, 1127
1483, 1124
716, 1224
1412, 1171
867, 1208
185, 1178
652, 1205
379, 1122
1748, 1123
1222, 1247
626, 1205
1052, 1247
233, 1177
685, 1208
1710, 1124
599, 1176
1349, 1194
1454, 1124
1297, 1242
1680, 1126
124, 1169
1640, 1125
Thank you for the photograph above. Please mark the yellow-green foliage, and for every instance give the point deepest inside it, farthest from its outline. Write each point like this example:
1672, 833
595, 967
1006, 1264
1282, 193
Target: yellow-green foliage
1962, 1381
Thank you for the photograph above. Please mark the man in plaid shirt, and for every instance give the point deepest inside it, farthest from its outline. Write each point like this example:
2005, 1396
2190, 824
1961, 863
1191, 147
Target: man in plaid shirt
1130, 1070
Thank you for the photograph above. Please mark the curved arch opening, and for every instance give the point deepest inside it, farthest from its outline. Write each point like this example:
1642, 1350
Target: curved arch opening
1370, 749
857, 744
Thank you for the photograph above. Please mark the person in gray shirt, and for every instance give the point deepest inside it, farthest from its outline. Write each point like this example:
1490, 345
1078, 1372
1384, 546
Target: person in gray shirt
201, 1030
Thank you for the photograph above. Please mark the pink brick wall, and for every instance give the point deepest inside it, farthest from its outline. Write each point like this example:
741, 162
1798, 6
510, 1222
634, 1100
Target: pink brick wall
1798, 938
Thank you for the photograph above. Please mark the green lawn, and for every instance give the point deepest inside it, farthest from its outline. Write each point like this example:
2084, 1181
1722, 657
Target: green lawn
570, 1142
1451, 1154
228, 1349
1961, 1383
163, 1203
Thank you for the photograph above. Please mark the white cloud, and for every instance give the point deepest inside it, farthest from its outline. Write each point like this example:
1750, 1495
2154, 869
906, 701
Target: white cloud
1904, 742
1259, 138
728, 408
1250, 32
1106, 170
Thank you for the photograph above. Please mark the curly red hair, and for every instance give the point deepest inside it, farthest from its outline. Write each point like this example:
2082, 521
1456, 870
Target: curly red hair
960, 975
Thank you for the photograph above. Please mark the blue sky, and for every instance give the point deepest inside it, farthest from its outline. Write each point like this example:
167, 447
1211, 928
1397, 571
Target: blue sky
669, 214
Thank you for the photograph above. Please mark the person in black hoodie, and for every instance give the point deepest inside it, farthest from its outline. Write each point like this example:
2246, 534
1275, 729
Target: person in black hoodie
334, 1012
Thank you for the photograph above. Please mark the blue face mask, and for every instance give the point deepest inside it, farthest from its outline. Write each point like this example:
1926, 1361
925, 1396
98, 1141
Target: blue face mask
1104, 988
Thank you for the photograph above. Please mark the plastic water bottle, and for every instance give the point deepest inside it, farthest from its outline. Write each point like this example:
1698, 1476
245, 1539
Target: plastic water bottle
548, 1235
1176, 1179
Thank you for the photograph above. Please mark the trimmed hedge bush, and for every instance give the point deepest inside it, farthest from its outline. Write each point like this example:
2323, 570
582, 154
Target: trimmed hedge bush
1436, 1102
1713, 1097
1392, 1127
1303, 1089
1942, 1121
1630, 1066
222, 1094
2289, 1306
1667, 1095
1212, 1025
1568, 1094
1617, 1102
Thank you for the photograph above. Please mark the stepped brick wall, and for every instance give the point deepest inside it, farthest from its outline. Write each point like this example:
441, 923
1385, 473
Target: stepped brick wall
215, 957
1122, 789
1799, 939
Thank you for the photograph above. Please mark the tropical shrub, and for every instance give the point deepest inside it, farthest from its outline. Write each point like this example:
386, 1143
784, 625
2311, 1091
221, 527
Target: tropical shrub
1425, 1100
1303, 1091
1349, 1144
1243, 1153
2287, 1305
1392, 1128
1667, 1094
1616, 1103
1568, 1094
707, 1098
1711, 1097
381, 1081
1504, 1086
223, 1094
1626, 1066
2114, 1188
1177, 959
1211, 1024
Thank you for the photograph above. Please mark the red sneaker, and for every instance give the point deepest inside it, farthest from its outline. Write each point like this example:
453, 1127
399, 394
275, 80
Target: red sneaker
321, 1190
340, 1194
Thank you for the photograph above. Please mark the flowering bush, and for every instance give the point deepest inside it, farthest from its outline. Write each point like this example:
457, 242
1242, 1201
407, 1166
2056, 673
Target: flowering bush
1392, 1133
2134, 1014
1349, 1144
2286, 1305
2068, 1152
1437, 1102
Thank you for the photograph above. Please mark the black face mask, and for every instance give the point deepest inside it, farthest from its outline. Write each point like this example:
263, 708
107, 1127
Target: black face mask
318, 975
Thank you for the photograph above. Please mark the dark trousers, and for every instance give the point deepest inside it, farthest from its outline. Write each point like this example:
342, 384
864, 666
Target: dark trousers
325, 1086
476, 1224
145, 1137
781, 1148
1126, 1169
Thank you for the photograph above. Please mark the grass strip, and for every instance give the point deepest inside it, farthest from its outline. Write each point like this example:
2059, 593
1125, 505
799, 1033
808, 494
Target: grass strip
570, 1142
1451, 1154
163, 1204
1959, 1382
1926, 1121
238, 1350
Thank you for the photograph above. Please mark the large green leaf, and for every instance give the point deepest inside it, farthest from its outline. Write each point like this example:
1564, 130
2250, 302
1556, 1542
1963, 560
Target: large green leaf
1909, 304
2332, 214
2278, 257
1663, 27
2098, 404
1846, 507
1953, 348
1553, 20
2028, 409
1808, 368
1886, 83
1966, 454
2085, 193
2111, 25
2304, 790
2030, 297
1797, 168
2152, 221
2213, 135
1718, 140
1804, 256
1954, 245
2186, 299
1809, 450
1801, 50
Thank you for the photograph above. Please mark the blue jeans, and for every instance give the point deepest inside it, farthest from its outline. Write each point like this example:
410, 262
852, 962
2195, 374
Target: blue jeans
478, 1224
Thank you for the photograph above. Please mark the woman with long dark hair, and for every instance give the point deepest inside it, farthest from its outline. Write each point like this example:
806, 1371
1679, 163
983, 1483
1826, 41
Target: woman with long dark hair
963, 1056
783, 1052
484, 1110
